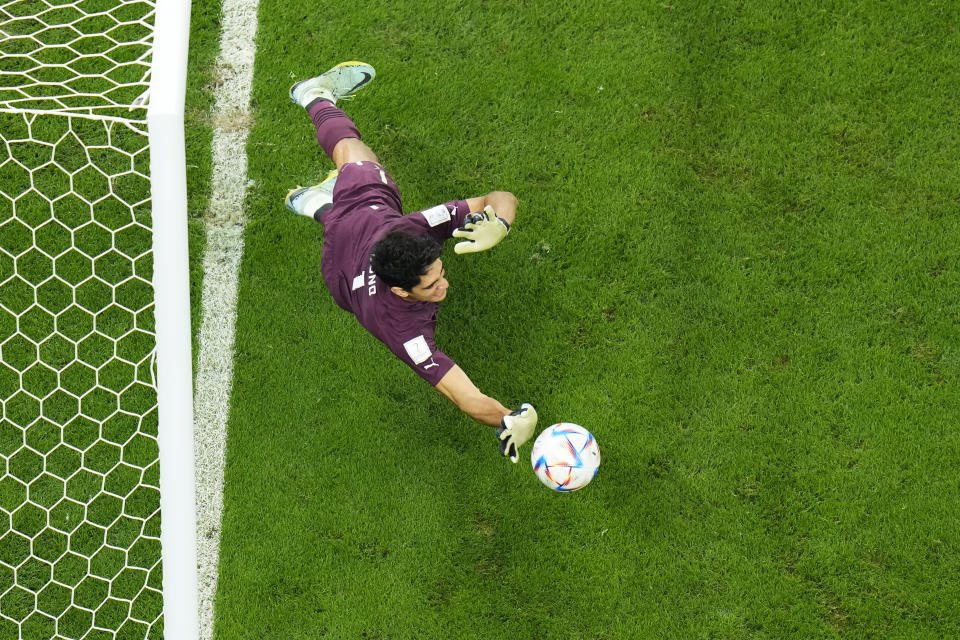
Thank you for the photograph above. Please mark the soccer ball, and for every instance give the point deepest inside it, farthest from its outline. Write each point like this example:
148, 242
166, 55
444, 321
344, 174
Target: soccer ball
565, 457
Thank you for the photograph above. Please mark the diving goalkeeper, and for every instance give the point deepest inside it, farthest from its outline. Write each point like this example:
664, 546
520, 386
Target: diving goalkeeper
384, 267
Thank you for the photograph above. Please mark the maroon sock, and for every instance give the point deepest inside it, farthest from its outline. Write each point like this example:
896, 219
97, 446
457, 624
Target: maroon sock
332, 124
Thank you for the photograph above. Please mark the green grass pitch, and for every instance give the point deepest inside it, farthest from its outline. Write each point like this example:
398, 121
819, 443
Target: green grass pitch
735, 261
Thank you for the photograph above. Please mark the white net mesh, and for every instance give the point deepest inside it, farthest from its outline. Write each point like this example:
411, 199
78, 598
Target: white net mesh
79, 490
79, 499
88, 56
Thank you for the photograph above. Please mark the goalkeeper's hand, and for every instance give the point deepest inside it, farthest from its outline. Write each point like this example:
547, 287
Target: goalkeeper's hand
481, 231
515, 429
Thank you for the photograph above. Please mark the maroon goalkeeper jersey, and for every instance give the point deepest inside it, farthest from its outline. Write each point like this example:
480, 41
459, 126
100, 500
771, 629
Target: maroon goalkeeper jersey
366, 205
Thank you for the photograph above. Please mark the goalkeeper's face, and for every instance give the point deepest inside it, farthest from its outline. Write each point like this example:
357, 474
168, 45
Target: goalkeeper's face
433, 285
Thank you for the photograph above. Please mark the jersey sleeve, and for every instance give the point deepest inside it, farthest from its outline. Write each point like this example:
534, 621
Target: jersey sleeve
419, 352
440, 221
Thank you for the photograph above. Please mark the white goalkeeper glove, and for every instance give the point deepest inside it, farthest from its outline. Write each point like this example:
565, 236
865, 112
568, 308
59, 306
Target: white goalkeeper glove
515, 429
480, 231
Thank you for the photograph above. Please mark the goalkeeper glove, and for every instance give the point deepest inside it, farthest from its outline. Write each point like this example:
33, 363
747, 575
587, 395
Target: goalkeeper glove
515, 429
480, 231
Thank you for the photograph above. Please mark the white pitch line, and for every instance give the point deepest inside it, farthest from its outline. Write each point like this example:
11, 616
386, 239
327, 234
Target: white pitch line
221, 265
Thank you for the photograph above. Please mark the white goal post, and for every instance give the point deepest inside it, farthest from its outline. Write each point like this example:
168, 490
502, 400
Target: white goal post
97, 485
172, 298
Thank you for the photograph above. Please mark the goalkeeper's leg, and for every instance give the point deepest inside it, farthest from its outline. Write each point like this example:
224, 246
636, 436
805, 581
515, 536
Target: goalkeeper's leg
340, 139
336, 133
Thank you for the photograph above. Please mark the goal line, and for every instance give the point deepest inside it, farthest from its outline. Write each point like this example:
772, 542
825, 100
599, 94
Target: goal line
225, 221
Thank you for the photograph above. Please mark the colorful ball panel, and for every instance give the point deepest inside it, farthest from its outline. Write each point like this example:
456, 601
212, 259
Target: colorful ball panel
565, 457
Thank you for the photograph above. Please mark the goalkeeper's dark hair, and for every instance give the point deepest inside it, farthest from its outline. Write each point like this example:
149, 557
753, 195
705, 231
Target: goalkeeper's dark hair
401, 257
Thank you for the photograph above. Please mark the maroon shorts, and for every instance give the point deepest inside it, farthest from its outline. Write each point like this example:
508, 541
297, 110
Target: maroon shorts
362, 185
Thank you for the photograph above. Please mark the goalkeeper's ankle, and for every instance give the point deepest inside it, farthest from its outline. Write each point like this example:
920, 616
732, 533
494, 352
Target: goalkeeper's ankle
309, 98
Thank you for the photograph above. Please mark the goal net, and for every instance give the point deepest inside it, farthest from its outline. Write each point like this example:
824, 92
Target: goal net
82, 550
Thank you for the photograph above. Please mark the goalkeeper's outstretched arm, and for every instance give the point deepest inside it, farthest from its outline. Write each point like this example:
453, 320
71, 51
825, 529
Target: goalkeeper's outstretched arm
515, 427
473, 402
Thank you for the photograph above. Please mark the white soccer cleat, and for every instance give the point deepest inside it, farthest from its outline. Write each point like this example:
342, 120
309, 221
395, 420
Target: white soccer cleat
314, 201
343, 81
